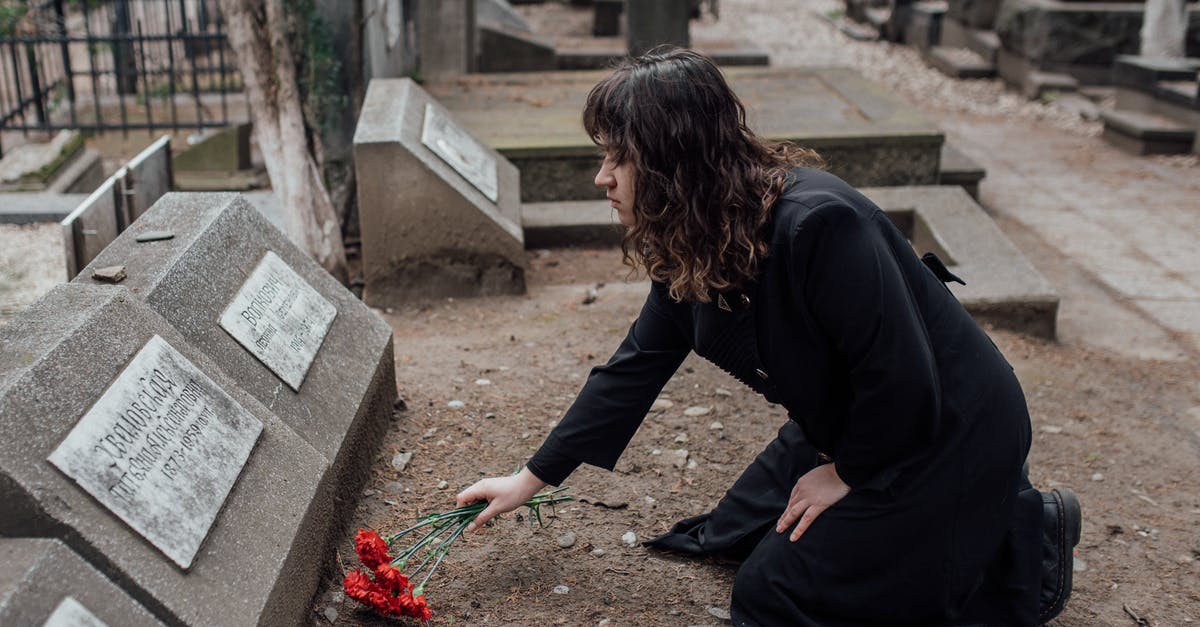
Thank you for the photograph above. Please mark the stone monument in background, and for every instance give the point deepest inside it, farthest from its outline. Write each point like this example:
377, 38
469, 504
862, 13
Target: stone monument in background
439, 210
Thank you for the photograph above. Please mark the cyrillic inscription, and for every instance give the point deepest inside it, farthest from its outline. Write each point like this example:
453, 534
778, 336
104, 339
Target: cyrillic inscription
280, 319
161, 449
72, 613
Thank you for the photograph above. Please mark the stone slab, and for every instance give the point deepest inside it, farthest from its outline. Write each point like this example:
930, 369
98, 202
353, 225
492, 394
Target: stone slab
260, 562
507, 50
33, 166
924, 27
1145, 72
42, 581
1147, 126
147, 177
93, 225
37, 207
869, 136
1002, 288
219, 240
959, 62
1080, 38
650, 23
959, 169
600, 53
427, 231
227, 149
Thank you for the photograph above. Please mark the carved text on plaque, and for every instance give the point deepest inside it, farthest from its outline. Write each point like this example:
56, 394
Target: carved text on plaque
461, 151
161, 449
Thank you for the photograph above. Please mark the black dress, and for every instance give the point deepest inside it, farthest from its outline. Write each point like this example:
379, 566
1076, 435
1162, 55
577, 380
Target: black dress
883, 372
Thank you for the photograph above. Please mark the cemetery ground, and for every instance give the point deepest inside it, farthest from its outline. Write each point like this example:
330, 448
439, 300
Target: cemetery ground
1114, 428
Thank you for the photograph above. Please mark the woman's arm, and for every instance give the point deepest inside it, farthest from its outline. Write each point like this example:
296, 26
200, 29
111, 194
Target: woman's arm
605, 415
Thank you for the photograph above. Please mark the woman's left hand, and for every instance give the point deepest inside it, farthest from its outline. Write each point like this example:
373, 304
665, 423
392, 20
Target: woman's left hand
816, 491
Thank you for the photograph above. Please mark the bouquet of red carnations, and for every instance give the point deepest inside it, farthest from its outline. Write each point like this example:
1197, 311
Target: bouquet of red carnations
386, 588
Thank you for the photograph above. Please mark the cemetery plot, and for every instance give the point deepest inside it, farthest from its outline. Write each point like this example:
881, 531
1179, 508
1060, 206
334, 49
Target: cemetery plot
75, 358
869, 136
439, 210
161, 449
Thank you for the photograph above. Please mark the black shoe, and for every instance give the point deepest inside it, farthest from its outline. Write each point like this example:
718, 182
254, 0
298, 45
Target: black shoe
1061, 524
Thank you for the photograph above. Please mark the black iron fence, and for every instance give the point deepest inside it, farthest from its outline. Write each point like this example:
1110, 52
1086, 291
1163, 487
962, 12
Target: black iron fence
104, 65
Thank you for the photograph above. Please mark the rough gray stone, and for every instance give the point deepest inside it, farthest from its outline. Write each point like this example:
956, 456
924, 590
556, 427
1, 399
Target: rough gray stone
428, 232
38, 575
109, 274
346, 396
60, 355
567, 540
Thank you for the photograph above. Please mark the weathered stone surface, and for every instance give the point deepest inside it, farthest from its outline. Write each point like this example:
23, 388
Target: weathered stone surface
651, 23
93, 225
974, 13
40, 578
869, 136
258, 563
1080, 38
506, 50
347, 393
427, 230
149, 175
109, 274
227, 149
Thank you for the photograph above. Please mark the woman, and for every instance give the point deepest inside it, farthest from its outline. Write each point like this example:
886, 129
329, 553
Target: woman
896, 493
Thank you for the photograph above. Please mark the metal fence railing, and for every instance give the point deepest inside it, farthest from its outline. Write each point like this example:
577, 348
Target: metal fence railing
103, 65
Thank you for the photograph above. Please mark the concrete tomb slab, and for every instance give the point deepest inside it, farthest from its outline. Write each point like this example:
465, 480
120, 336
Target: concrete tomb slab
42, 582
439, 210
271, 318
1002, 287
258, 562
93, 225
147, 177
868, 136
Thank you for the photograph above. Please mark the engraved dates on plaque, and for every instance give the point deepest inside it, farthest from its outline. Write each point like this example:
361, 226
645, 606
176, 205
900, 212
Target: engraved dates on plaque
161, 449
280, 319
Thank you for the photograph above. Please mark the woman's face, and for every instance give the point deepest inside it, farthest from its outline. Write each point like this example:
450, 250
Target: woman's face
617, 180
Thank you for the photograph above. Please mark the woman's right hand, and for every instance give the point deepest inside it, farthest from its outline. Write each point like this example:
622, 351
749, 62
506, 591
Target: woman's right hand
503, 494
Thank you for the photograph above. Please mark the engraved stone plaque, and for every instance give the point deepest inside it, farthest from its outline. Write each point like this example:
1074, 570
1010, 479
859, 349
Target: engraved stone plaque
461, 151
279, 318
161, 449
72, 613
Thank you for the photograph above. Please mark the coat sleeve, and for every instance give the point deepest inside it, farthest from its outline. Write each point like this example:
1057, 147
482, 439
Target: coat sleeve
616, 396
852, 285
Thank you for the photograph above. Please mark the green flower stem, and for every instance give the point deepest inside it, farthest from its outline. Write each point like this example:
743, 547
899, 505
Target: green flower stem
545, 498
400, 560
441, 553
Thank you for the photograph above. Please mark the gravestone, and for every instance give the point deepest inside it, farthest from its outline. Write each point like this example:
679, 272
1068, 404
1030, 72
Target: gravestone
867, 135
272, 319
439, 211
93, 225
42, 582
651, 23
147, 177
130, 445
445, 37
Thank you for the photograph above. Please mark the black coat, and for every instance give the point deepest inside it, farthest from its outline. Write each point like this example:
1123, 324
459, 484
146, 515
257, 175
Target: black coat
846, 327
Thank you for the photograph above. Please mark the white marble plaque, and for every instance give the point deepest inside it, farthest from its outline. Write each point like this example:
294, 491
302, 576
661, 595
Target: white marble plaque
161, 449
280, 319
461, 151
72, 613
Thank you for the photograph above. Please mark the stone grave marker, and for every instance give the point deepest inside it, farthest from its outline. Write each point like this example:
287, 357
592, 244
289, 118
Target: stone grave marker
147, 177
271, 318
42, 582
112, 438
94, 224
440, 210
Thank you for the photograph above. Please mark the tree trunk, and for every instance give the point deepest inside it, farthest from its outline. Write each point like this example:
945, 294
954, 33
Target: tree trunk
258, 34
1164, 29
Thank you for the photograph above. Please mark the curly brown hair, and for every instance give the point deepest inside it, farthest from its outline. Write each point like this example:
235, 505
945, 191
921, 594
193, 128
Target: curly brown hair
704, 183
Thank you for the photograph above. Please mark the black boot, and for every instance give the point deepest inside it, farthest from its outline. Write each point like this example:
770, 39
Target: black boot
1061, 524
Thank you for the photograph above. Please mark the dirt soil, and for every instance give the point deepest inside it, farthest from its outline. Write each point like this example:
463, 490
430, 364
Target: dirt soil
1111, 428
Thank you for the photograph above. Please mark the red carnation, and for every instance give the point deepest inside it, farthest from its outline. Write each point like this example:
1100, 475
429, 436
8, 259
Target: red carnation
358, 585
371, 548
391, 579
420, 609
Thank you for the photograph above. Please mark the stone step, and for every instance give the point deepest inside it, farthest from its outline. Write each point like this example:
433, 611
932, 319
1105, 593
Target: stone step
1145, 72
959, 169
1146, 133
868, 135
959, 62
985, 43
1002, 288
